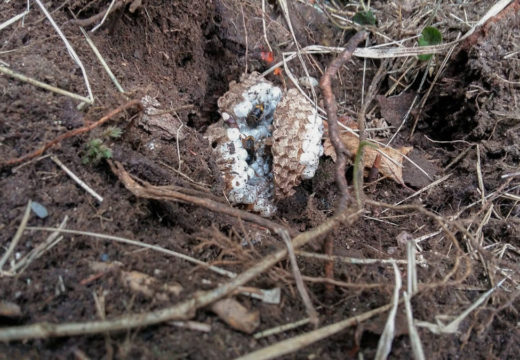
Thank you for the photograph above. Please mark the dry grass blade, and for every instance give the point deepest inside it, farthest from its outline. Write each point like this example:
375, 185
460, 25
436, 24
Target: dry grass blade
281, 328
39, 250
102, 61
17, 236
77, 179
42, 85
453, 326
298, 342
14, 18
70, 50
385, 341
415, 340
139, 244
348, 260
411, 269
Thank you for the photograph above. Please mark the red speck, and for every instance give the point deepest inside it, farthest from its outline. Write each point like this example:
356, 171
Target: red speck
277, 71
267, 56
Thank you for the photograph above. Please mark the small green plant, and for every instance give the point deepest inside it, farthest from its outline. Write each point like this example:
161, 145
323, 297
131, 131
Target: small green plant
365, 17
112, 132
96, 150
429, 36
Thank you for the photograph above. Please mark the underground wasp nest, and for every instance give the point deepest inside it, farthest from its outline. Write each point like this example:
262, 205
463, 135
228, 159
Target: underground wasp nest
296, 143
265, 143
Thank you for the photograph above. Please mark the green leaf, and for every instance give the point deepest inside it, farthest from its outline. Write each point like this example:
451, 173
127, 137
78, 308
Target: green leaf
364, 18
429, 36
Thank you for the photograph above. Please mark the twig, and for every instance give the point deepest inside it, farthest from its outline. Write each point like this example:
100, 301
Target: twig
245, 32
264, 27
77, 179
94, 19
298, 342
143, 189
192, 325
72, 133
281, 328
17, 235
104, 16
311, 312
342, 153
332, 118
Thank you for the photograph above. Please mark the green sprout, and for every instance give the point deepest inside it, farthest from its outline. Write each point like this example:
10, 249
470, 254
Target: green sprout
112, 132
95, 152
429, 36
365, 17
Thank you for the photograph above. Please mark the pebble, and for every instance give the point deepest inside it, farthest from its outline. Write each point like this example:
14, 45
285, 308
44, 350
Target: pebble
39, 210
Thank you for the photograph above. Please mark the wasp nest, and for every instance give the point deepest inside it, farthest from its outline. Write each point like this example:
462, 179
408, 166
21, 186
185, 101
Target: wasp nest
260, 159
296, 143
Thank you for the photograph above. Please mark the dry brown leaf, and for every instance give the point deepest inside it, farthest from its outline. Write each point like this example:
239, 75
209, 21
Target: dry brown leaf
148, 285
9, 309
159, 122
394, 108
236, 315
391, 161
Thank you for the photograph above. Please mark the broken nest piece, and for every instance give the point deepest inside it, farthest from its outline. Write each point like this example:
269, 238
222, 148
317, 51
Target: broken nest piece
265, 143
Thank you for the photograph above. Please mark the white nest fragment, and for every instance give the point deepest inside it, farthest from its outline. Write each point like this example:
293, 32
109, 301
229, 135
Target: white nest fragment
265, 143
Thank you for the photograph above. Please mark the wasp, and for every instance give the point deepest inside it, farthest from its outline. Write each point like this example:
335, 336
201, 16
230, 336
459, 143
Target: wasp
249, 144
255, 116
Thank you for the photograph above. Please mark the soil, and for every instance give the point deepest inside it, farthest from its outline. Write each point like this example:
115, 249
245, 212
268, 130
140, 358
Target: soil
184, 54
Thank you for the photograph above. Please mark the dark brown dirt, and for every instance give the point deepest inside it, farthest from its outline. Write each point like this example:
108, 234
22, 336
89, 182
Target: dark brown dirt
185, 54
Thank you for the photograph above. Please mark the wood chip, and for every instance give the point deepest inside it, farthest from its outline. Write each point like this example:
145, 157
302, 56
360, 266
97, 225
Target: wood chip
236, 315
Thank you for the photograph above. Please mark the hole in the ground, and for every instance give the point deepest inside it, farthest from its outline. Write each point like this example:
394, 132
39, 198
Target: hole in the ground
186, 59
449, 114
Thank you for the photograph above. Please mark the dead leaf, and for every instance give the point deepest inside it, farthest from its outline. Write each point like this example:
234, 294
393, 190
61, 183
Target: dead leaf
236, 315
149, 286
394, 108
391, 159
98, 266
159, 121
9, 309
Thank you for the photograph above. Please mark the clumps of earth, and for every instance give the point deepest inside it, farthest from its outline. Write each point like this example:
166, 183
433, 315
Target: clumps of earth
266, 142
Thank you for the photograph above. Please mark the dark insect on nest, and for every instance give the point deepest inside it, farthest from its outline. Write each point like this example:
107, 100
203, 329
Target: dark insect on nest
255, 116
249, 145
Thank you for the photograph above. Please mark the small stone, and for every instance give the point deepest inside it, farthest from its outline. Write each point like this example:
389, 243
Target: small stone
39, 210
